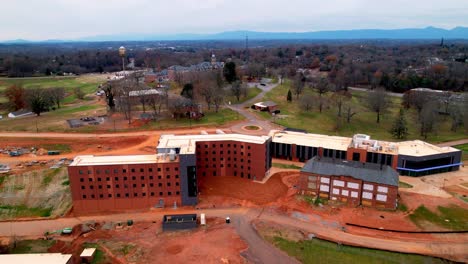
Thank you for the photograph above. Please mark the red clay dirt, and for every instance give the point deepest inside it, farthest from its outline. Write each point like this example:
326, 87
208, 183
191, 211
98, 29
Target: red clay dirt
147, 243
235, 189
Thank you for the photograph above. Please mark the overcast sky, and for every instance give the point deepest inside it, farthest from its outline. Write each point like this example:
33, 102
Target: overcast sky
71, 19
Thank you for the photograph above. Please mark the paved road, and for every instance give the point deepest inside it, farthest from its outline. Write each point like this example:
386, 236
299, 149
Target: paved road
252, 119
453, 143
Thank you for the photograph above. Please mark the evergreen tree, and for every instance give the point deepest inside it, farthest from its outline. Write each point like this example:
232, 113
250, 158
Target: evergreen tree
400, 129
289, 98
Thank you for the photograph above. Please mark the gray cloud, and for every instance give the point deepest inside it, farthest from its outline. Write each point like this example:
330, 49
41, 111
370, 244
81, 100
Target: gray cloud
69, 19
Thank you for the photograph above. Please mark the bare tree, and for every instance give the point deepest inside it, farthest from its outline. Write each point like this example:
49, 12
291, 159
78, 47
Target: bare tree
307, 101
37, 100
298, 84
349, 110
378, 102
15, 95
427, 119
322, 87
238, 89
339, 97
56, 95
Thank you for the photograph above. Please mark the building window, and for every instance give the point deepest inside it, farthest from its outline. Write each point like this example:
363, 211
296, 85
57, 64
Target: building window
142, 177
92, 196
151, 177
89, 171
177, 192
91, 187
143, 194
176, 169
214, 152
116, 171
99, 179
169, 193
176, 184
152, 193
107, 171
98, 171
135, 194
159, 184
159, 177
150, 169
118, 195
168, 176
142, 185
160, 193
159, 169
107, 179
134, 185
90, 179
117, 186
167, 169
80, 172
142, 170
151, 184
81, 179
177, 176
100, 187
133, 178
84, 196
109, 195
168, 184
125, 178
108, 186
124, 171
133, 170
82, 187
116, 178
127, 195
101, 196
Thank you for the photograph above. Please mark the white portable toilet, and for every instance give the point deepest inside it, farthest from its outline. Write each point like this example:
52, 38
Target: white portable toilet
202, 219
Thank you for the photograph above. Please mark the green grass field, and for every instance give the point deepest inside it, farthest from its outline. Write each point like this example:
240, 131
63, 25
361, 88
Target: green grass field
453, 217
32, 246
87, 84
464, 149
251, 93
18, 211
363, 122
320, 251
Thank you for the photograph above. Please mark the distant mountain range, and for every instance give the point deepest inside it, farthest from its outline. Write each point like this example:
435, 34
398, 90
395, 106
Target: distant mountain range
404, 34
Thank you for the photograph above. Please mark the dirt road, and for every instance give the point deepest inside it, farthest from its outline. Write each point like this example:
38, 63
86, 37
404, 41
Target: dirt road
437, 245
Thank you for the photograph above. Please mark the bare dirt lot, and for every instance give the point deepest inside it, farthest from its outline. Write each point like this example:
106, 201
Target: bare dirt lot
220, 191
145, 242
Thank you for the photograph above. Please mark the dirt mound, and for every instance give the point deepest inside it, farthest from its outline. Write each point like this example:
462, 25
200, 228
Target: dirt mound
243, 189
174, 249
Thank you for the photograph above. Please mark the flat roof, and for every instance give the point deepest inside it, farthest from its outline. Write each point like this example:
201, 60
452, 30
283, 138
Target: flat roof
88, 252
310, 140
420, 148
187, 143
41, 258
410, 148
91, 160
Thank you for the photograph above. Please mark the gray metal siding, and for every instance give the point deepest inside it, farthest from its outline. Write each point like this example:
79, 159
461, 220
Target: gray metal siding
186, 160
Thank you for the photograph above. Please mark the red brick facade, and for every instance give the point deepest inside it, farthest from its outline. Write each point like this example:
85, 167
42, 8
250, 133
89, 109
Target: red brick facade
120, 187
231, 158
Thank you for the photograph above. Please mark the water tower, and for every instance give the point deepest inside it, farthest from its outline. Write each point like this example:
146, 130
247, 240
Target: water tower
122, 52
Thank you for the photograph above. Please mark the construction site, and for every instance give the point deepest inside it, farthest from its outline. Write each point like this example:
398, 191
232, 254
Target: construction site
37, 205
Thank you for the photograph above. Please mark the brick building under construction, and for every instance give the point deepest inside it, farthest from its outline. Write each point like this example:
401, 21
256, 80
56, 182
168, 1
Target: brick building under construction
172, 175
